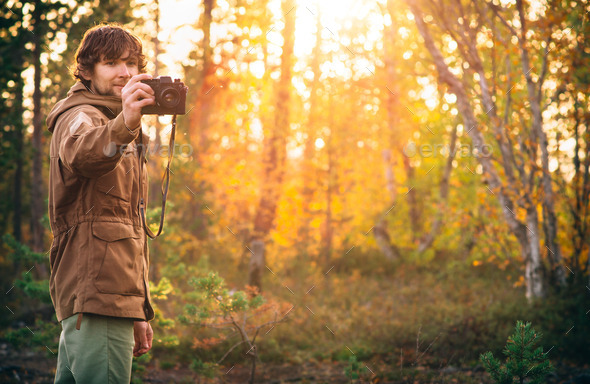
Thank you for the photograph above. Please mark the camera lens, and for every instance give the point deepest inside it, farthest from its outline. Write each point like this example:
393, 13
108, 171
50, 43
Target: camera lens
169, 98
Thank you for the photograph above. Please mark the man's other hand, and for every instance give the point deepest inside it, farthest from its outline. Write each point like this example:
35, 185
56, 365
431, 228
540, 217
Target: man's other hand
136, 95
143, 335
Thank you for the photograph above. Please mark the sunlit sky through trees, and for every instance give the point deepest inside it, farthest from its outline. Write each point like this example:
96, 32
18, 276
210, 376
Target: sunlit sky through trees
178, 33
179, 36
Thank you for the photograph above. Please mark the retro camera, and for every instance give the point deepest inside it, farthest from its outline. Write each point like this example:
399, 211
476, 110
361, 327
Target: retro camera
170, 96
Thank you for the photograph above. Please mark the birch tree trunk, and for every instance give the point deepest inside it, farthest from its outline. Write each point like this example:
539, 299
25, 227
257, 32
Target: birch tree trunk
389, 250
533, 268
534, 92
529, 243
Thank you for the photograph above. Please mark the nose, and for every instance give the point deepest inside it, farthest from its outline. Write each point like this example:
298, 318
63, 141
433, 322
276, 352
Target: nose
123, 70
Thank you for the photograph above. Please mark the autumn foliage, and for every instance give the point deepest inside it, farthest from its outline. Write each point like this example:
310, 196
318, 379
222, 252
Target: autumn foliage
390, 184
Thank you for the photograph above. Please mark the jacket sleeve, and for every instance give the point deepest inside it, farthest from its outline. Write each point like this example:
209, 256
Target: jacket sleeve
89, 149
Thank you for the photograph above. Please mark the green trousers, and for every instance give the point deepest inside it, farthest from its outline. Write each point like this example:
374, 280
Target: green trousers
101, 351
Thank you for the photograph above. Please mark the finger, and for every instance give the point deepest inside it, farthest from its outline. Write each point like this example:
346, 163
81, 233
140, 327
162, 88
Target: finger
138, 102
143, 103
137, 346
140, 352
137, 87
145, 88
137, 94
137, 78
141, 76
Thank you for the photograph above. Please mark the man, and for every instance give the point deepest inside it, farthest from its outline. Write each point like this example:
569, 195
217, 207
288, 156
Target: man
99, 257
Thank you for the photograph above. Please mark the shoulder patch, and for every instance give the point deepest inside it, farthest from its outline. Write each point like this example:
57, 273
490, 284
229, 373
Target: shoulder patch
80, 119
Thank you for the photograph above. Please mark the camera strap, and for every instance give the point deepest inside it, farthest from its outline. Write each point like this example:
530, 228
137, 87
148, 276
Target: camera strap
165, 183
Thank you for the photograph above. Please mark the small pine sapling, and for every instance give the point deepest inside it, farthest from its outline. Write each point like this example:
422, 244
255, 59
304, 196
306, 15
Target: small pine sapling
245, 313
523, 360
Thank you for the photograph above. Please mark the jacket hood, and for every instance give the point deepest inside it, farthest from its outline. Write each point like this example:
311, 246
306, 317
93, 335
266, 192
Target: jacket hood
80, 95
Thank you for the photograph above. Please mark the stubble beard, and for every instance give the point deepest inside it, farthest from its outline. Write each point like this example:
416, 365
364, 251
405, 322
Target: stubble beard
110, 91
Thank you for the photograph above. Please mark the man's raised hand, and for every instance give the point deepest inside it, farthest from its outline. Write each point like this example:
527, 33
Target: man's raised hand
136, 95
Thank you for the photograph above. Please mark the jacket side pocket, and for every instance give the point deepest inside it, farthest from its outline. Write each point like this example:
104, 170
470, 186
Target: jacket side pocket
121, 267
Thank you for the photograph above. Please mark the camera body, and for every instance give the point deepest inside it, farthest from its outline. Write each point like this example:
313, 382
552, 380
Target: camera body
170, 96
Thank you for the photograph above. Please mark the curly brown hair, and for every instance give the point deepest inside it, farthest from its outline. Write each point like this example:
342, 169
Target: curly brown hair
106, 42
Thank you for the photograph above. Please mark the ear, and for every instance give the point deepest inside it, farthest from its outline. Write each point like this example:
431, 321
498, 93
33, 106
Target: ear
85, 75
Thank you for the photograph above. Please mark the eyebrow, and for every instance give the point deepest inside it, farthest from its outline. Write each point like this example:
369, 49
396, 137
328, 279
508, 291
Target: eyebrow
128, 58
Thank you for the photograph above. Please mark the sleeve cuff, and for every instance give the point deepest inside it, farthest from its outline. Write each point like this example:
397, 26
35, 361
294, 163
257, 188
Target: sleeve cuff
123, 133
132, 132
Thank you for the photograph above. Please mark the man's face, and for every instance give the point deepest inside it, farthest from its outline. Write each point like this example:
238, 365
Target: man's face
110, 76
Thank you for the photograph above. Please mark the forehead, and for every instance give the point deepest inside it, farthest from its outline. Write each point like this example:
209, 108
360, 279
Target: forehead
125, 56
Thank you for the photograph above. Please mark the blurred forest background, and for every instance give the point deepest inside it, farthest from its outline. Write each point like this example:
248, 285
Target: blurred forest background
385, 186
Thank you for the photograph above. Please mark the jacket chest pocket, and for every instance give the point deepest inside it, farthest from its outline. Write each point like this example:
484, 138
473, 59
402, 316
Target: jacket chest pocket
120, 259
119, 182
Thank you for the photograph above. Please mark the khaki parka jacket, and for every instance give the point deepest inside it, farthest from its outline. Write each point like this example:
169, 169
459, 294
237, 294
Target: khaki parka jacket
99, 256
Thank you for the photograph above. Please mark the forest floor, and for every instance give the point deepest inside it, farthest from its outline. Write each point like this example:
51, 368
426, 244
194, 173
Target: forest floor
476, 309
36, 367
